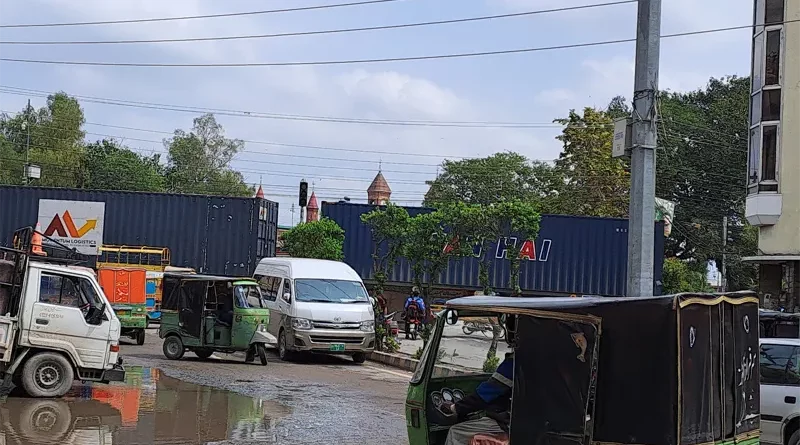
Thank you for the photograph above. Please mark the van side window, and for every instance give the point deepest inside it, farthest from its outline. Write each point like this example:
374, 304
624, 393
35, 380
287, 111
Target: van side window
269, 286
61, 290
779, 365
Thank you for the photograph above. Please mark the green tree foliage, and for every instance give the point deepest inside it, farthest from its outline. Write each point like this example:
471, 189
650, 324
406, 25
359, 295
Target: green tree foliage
111, 166
322, 239
681, 276
595, 184
199, 161
499, 177
521, 219
388, 227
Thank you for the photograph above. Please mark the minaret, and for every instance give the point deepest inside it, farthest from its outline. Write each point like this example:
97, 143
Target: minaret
312, 210
379, 192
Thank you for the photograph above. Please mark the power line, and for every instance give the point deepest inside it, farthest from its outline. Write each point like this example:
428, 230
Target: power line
322, 32
281, 116
371, 60
196, 17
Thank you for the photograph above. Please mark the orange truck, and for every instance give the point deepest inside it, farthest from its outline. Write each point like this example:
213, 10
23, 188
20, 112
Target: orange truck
125, 289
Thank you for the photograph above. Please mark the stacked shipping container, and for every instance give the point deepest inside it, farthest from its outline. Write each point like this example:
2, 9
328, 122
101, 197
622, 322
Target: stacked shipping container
571, 255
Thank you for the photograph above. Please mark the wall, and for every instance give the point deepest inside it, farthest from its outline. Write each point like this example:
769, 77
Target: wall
579, 255
784, 236
212, 234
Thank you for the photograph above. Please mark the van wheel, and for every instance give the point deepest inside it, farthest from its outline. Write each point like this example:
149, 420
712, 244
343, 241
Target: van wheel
173, 347
47, 375
140, 337
262, 353
795, 439
283, 347
359, 357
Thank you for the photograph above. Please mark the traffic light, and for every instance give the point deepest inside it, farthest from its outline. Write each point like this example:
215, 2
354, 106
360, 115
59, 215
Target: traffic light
303, 193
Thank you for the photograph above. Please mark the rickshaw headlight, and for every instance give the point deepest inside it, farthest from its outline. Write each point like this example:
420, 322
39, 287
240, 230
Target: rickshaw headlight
262, 328
301, 323
368, 326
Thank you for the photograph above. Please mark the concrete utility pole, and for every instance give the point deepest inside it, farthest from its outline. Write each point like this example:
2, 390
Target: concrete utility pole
641, 229
25, 171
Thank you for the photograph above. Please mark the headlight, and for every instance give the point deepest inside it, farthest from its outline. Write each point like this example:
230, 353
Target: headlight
301, 323
262, 328
368, 326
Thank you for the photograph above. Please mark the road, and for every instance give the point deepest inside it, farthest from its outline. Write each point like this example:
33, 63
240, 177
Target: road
317, 400
467, 351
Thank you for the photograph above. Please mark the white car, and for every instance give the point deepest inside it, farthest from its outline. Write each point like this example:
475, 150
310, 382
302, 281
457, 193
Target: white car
780, 391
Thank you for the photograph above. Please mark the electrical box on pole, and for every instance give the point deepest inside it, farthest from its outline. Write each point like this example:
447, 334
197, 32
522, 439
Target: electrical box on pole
622, 144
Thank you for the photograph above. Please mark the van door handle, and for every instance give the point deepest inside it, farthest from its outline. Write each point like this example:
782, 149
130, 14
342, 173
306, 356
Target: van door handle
791, 400
42, 321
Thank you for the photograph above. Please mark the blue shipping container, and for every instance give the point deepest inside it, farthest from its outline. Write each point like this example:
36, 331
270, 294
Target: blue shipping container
212, 234
571, 255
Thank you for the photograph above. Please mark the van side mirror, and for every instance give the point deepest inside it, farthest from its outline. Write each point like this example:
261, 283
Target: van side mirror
287, 297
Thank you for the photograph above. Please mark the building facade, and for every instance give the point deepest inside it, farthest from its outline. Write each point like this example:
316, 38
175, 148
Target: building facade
773, 181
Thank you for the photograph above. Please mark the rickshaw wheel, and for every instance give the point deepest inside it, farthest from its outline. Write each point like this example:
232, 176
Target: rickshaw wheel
262, 354
173, 347
203, 353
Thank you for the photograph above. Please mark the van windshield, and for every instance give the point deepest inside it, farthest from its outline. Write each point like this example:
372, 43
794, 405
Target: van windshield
330, 291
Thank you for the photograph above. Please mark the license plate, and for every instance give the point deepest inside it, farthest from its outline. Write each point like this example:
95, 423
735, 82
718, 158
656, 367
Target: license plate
337, 347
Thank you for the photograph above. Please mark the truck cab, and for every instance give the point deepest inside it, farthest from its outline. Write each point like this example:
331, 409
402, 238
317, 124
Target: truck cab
56, 325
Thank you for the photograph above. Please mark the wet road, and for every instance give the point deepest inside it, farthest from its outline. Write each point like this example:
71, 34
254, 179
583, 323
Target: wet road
317, 400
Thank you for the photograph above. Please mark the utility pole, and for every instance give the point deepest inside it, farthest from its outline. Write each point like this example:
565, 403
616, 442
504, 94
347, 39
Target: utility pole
641, 229
25, 171
292, 210
724, 249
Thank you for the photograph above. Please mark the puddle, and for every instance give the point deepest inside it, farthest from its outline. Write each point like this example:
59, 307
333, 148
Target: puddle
149, 408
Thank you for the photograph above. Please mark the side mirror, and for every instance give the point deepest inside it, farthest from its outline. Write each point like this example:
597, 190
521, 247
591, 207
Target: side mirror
96, 316
451, 317
287, 297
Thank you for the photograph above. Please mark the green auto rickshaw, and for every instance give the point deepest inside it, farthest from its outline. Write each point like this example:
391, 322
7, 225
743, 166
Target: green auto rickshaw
206, 314
667, 370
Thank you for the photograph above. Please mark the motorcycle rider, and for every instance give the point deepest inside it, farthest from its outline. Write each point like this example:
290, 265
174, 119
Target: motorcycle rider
414, 306
492, 396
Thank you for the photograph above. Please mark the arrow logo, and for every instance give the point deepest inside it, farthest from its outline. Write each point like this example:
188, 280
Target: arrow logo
68, 226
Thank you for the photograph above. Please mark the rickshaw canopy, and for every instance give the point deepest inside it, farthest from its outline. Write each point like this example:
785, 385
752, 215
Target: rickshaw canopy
675, 370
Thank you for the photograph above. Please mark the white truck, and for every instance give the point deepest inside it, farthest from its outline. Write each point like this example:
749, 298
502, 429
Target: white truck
56, 325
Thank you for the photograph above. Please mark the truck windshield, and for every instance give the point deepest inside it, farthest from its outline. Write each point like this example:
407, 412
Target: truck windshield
248, 296
330, 291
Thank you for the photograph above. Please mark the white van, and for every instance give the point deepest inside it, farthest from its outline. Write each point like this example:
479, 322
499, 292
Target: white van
780, 391
317, 305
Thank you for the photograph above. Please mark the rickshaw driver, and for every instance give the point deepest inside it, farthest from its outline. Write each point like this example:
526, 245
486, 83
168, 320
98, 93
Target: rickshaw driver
492, 395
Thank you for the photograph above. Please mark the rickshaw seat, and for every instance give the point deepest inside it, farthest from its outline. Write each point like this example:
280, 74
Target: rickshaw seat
489, 439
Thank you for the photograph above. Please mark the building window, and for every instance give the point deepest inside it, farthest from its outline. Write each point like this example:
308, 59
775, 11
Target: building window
755, 145
769, 153
771, 109
755, 109
774, 12
758, 59
772, 58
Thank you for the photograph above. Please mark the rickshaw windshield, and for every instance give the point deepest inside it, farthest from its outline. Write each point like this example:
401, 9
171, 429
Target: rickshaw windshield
248, 296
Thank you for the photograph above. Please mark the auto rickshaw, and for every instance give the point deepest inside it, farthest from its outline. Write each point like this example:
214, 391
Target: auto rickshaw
206, 314
667, 370
775, 324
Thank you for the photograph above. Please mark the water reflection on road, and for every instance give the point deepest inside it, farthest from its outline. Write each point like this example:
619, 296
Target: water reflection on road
149, 408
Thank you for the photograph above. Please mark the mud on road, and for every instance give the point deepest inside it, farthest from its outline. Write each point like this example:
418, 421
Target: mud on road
316, 400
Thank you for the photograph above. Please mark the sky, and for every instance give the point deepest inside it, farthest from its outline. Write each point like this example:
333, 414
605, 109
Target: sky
340, 159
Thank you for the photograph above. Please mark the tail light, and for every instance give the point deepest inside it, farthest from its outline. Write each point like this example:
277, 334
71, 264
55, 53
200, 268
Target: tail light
113, 348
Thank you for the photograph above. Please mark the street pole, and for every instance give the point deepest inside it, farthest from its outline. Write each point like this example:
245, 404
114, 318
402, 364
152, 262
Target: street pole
27, 143
724, 248
641, 229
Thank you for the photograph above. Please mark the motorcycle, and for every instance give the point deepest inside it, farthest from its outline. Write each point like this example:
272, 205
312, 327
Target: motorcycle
389, 325
413, 322
483, 327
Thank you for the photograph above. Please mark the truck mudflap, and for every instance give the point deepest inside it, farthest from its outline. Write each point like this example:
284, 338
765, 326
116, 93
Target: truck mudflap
116, 374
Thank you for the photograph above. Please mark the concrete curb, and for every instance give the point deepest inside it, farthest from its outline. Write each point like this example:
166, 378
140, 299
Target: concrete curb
403, 362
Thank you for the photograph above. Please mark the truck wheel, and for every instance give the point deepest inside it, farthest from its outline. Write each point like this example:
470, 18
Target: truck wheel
283, 347
262, 354
359, 357
795, 439
140, 337
47, 375
203, 353
173, 347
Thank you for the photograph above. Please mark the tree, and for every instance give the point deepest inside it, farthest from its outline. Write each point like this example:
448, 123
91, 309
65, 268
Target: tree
322, 239
199, 161
594, 183
499, 177
521, 220
680, 276
110, 166
388, 227
702, 167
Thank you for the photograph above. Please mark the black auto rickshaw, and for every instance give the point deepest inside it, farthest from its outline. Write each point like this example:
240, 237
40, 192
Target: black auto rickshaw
776, 324
207, 314
667, 370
